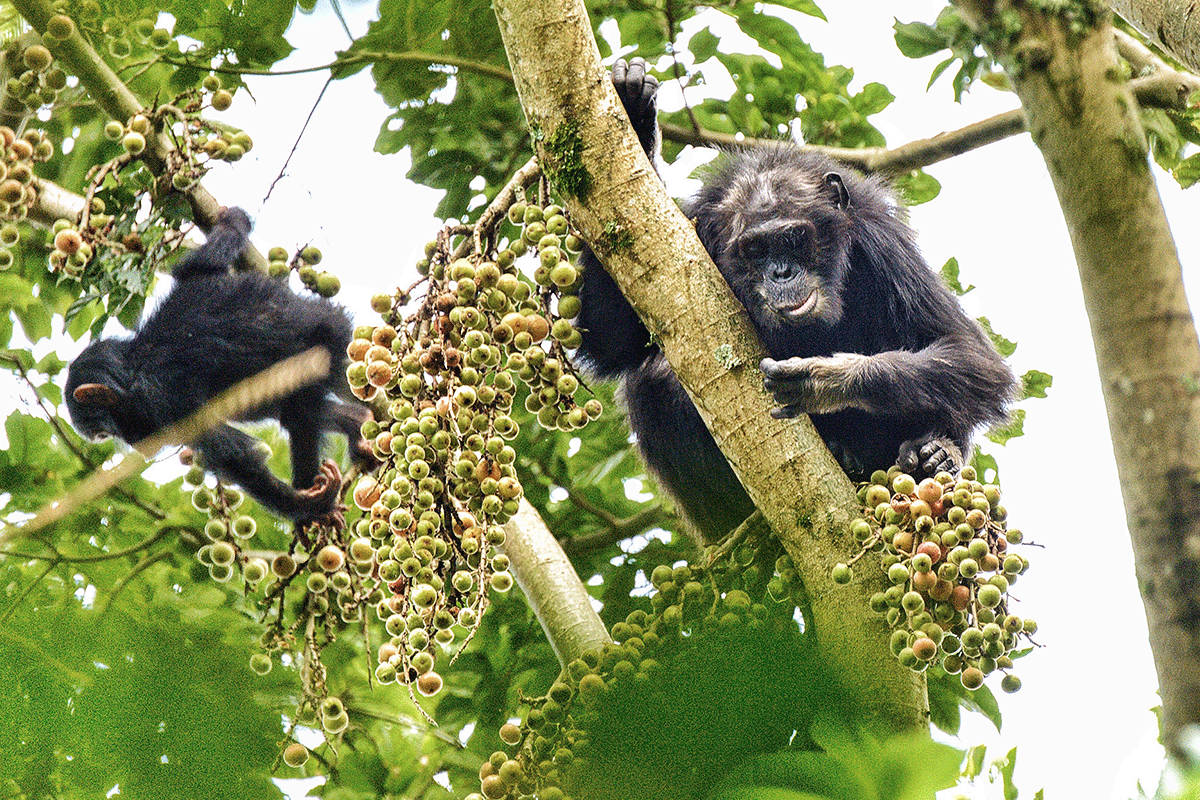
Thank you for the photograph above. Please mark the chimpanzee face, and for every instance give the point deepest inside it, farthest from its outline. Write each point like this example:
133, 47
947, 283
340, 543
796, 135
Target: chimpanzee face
787, 253
92, 391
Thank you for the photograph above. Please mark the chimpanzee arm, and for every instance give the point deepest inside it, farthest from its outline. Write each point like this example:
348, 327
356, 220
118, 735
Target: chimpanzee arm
221, 250
958, 379
236, 457
614, 339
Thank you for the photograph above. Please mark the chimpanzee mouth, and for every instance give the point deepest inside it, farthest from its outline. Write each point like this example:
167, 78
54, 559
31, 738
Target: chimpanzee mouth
799, 312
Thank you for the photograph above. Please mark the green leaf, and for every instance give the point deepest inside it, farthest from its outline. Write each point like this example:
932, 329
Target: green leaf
945, 710
917, 187
35, 321
1007, 765
50, 364
1006, 347
703, 45
1035, 383
975, 761
938, 70
1187, 172
16, 292
985, 464
917, 40
985, 703
949, 273
1013, 427
27, 436
803, 6
874, 98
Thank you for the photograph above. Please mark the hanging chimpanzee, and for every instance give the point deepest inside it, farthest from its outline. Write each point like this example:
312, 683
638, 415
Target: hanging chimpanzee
861, 334
214, 329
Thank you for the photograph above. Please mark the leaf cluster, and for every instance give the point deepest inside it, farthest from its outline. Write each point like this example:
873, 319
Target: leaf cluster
949, 32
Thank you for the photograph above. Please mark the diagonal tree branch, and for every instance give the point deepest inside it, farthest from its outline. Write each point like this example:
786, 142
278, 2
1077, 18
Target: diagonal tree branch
1174, 25
111, 93
587, 148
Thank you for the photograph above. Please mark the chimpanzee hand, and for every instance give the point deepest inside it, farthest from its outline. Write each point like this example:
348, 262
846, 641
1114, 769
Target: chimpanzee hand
926, 456
321, 499
819, 385
638, 91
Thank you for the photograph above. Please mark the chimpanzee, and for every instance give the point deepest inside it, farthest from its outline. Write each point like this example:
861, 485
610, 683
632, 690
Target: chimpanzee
214, 329
860, 332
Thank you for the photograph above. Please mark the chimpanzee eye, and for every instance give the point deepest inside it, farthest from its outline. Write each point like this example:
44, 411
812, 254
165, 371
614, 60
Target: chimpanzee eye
754, 248
795, 239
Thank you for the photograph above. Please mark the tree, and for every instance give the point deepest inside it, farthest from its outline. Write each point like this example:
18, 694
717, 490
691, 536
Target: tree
125, 646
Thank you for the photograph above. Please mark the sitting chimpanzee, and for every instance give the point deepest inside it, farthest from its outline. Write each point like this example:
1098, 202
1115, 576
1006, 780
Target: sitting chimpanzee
214, 329
868, 339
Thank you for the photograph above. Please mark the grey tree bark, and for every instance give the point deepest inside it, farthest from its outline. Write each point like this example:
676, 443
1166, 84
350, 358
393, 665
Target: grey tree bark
1084, 120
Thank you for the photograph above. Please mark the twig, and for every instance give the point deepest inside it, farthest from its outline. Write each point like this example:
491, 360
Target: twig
299, 136
361, 57
520, 180
141, 567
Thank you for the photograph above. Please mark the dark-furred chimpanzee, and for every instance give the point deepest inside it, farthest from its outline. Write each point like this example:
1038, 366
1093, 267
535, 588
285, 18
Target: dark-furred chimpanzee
860, 332
214, 329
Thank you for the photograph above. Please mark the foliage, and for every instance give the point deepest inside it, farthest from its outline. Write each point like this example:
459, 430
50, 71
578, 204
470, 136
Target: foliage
130, 666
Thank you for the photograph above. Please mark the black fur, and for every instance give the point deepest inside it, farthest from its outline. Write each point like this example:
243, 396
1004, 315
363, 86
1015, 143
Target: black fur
868, 339
214, 329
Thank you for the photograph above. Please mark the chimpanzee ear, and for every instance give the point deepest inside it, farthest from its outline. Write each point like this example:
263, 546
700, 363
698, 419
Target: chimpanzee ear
95, 394
838, 190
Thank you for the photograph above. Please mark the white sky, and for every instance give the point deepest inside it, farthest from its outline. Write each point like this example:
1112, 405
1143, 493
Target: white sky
1082, 720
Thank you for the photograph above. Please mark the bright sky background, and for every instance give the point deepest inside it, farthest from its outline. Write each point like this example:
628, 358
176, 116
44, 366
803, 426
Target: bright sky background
1082, 720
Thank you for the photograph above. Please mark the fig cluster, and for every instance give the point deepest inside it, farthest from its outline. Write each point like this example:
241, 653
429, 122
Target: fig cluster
35, 81
304, 262
226, 533
944, 545
18, 192
222, 144
125, 30
195, 143
443, 380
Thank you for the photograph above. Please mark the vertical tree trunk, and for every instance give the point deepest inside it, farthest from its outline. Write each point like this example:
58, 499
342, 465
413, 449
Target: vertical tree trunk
1084, 119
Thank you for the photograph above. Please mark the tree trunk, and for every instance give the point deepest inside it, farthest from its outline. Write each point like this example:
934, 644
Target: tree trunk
1084, 120
587, 148
1174, 25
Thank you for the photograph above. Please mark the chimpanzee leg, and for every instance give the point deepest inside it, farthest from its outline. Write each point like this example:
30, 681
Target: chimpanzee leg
235, 456
305, 415
349, 418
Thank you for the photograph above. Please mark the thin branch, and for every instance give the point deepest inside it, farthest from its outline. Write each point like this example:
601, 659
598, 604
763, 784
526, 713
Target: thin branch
1163, 89
337, 10
141, 567
59, 558
45, 658
12, 607
520, 181
299, 136
615, 529
361, 57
